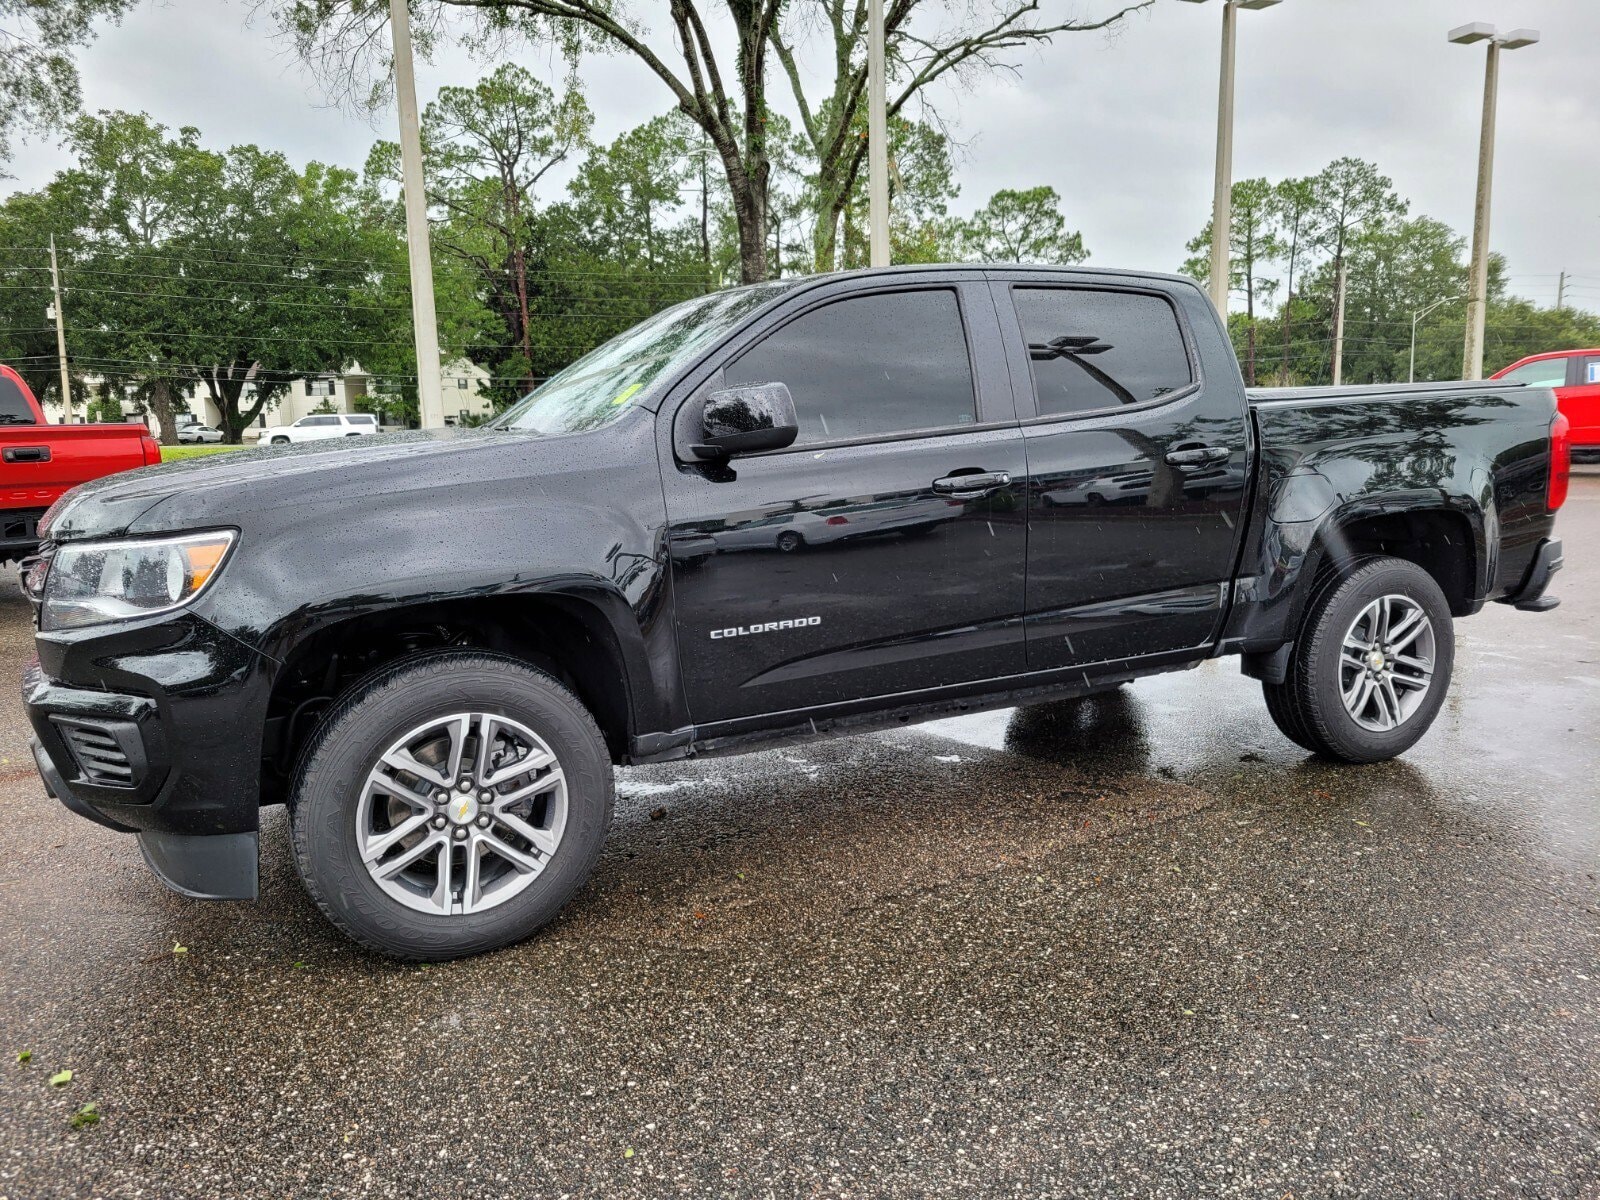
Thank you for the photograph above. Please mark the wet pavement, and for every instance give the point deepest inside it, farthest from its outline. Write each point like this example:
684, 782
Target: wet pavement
1136, 946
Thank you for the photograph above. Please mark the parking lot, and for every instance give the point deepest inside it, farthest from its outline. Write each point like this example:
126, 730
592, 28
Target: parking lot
1136, 946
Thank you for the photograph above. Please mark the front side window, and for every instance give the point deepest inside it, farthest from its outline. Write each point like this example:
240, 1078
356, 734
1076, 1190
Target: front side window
1095, 350
1547, 372
869, 366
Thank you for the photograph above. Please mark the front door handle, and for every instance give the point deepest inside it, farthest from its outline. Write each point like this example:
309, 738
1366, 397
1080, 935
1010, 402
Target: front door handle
26, 454
973, 484
1198, 456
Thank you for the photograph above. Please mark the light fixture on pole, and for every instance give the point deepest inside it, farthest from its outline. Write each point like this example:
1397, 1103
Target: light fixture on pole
1478, 279
1411, 377
1222, 198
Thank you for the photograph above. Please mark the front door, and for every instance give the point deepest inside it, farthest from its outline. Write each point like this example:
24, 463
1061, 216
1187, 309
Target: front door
882, 553
1137, 467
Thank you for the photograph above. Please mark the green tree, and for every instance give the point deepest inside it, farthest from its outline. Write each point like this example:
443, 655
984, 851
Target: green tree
229, 271
1020, 226
923, 44
725, 97
39, 86
1252, 245
1292, 213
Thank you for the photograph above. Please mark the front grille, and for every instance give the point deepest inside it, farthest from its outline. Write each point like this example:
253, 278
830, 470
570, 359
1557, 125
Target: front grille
104, 751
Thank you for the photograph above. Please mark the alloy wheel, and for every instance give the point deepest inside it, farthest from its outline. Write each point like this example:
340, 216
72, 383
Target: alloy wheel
1386, 663
461, 814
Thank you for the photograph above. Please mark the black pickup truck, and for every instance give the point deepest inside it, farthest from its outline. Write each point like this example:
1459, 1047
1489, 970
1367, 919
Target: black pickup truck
789, 510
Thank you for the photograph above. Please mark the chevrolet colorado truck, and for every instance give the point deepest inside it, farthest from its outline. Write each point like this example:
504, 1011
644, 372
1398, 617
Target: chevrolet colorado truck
39, 462
793, 509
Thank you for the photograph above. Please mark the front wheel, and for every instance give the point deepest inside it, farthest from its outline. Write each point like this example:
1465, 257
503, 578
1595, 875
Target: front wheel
450, 804
1371, 664
280, 441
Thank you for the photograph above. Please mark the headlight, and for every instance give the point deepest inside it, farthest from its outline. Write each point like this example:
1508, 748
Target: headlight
89, 583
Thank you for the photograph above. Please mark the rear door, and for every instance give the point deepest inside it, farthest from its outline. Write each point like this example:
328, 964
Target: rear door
858, 563
1138, 464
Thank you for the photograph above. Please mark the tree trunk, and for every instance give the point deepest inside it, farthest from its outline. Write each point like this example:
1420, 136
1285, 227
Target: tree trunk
749, 209
161, 405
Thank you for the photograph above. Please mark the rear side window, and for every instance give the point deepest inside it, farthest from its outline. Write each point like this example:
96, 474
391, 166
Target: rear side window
14, 408
363, 419
1548, 372
1589, 370
1094, 350
870, 366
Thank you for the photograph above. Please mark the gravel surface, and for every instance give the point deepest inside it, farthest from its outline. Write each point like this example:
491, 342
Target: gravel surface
1132, 947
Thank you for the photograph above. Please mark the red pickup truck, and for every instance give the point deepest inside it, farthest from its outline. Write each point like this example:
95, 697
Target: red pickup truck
39, 461
1574, 375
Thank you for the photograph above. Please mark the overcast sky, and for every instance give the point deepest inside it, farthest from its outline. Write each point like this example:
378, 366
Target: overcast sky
1122, 126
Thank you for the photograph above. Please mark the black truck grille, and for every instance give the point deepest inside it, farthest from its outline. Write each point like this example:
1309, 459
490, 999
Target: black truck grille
100, 750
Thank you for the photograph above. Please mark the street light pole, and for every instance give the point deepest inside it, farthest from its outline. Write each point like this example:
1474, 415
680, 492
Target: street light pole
1411, 376
1222, 196
424, 316
1478, 278
877, 140
61, 336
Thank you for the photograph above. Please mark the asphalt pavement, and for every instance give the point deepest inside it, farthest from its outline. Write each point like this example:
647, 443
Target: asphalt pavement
1139, 946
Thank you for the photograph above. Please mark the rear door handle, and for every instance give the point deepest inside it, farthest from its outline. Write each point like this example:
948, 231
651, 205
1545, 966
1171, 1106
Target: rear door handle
26, 454
971, 485
1198, 456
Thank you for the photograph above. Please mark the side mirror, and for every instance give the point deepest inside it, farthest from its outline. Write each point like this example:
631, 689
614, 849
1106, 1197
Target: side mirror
743, 420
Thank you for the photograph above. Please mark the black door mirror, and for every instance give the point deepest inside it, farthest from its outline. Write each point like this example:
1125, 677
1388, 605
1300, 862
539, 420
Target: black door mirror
743, 420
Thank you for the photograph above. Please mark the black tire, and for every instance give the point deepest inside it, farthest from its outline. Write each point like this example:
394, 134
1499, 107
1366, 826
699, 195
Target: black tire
1308, 706
332, 767
279, 441
789, 541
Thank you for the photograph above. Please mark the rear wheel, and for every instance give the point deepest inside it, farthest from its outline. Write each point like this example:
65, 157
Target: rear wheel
1371, 664
789, 541
450, 804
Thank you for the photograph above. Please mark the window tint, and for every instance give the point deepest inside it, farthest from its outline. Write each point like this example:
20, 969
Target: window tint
1094, 350
14, 408
870, 365
362, 419
1550, 372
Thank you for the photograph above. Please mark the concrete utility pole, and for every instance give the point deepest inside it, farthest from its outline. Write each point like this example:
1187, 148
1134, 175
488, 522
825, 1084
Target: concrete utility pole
877, 139
1222, 197
424, 317
1561, 292
1338, 328
61, 336
1478, 277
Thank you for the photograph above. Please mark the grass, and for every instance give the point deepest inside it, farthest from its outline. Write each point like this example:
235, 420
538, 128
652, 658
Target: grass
169, 453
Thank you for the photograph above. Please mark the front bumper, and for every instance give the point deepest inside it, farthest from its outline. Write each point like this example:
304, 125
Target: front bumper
155, 729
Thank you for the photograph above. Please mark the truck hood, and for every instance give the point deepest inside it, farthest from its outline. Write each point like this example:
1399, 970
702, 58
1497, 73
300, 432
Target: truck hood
225, 489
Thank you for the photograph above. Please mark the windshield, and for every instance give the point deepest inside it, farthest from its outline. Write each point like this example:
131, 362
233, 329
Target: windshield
598, 388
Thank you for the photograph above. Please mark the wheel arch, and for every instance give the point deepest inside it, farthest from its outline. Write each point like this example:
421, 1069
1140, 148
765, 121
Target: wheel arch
571, 634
